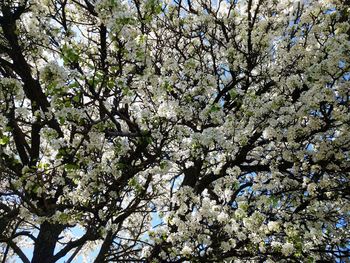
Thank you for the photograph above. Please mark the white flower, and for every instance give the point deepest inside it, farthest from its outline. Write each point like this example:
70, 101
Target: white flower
241, 236
239, 213
222, 217
311, 188
273, 226
262, 247
287, 249
146, 252
268, 133
225, 246
186, 250
275, 244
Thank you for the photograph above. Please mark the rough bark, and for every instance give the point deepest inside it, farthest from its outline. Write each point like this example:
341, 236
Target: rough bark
46, 242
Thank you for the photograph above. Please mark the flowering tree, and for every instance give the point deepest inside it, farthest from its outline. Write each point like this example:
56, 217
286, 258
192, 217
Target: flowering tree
172, 131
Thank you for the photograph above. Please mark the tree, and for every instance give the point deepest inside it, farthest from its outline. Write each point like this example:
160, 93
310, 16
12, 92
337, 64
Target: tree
172, 131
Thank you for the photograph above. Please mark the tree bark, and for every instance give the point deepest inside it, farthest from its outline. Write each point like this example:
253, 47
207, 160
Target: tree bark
46, 242
101, 257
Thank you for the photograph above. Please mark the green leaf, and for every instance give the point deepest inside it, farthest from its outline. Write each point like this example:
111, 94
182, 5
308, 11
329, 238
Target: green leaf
273, 201
69, 55
76, 98
4, 140
132, 182
61, 120
71, 166
215, 108
42, 165
63, 217
233, 93
249, 113
163, 165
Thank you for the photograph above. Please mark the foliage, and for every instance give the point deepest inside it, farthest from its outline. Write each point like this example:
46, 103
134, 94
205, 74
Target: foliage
172, 131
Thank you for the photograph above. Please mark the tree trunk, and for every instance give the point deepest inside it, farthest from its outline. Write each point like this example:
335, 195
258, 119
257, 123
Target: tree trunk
101, 257
46, 241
